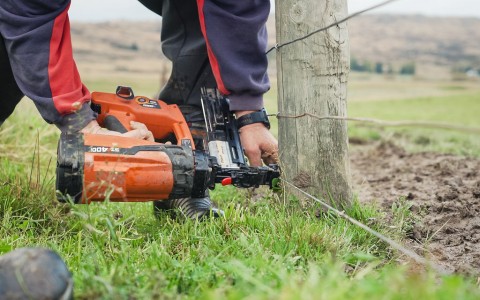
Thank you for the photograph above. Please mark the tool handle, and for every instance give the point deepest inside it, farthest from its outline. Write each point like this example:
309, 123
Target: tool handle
117, 110
113, 123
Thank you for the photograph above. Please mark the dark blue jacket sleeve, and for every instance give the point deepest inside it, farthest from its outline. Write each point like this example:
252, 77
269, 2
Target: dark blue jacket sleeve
37, 38
236, 37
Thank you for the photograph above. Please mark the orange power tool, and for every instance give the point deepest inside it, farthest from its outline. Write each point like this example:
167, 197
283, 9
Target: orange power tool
94, 167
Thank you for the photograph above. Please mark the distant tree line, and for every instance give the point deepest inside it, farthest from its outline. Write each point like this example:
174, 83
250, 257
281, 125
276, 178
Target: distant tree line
380, 67
465, 69
132, 47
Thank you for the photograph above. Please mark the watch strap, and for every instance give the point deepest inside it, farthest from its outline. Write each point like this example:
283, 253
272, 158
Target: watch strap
254, 117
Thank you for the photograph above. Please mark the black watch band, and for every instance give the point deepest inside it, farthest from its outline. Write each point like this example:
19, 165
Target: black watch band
255, 117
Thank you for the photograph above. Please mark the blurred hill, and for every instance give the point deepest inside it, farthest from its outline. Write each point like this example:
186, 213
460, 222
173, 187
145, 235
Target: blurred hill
433, 43
436, 45
118, 48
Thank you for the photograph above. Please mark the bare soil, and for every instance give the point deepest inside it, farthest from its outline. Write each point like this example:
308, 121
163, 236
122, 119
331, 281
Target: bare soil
444, 191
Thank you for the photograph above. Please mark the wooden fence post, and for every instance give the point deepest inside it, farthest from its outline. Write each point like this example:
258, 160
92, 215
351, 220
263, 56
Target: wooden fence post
312, 77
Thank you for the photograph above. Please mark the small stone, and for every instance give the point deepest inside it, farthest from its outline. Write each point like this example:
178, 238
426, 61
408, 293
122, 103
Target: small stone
418, 179
476, 193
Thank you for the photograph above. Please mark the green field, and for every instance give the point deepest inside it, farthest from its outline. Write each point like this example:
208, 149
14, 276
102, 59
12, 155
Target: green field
412, 99
268, 248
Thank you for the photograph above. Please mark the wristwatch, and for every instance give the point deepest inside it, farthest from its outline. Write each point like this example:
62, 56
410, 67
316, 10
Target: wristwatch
254, 117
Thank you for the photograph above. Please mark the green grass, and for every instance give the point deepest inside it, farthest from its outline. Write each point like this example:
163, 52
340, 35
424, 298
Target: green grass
462, 109
271, 248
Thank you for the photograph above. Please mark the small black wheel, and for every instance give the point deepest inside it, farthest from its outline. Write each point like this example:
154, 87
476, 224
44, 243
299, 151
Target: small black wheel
192, 208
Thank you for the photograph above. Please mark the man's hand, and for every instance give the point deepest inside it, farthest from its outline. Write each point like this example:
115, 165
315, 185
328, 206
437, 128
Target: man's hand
258, 142
139, 131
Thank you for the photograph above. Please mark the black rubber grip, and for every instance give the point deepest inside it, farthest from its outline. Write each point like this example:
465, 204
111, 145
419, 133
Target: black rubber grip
112, 123
70, 162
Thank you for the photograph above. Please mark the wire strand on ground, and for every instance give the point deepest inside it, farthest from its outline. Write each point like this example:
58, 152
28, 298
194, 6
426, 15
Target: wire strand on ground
395, 245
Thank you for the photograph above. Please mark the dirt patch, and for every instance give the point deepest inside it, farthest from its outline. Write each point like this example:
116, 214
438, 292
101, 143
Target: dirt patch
444, 191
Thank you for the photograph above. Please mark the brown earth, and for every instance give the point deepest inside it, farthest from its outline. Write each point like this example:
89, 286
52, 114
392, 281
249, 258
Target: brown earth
444, 191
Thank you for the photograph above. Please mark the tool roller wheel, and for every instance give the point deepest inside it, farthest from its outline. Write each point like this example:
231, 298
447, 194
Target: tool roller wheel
192, 208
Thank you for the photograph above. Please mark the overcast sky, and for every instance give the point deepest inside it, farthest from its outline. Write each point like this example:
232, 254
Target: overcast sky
95, 10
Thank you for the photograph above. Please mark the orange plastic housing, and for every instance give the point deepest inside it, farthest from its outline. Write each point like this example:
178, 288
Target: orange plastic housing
139, 177
160, 118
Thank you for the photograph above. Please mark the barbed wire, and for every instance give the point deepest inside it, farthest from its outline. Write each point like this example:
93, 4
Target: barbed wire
351, 16
395, 245
424, 124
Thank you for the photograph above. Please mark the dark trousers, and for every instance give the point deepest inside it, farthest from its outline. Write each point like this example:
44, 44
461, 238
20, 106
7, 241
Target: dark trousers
183, 44
10, 94
234, 60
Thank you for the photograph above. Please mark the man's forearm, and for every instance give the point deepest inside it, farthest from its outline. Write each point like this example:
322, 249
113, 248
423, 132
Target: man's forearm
37, 38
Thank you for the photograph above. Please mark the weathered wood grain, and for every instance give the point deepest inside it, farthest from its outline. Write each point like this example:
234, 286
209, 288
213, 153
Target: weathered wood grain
312, 77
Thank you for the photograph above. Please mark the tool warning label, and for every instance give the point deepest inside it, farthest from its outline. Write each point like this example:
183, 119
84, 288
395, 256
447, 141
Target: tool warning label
149, 103
100, 149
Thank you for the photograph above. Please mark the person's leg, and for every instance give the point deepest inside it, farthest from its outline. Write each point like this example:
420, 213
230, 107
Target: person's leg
236, 35
184, 45
11, 94
34, 273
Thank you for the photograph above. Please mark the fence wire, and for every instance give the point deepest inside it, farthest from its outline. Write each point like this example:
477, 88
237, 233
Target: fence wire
356, 14
395, 245
405, 123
